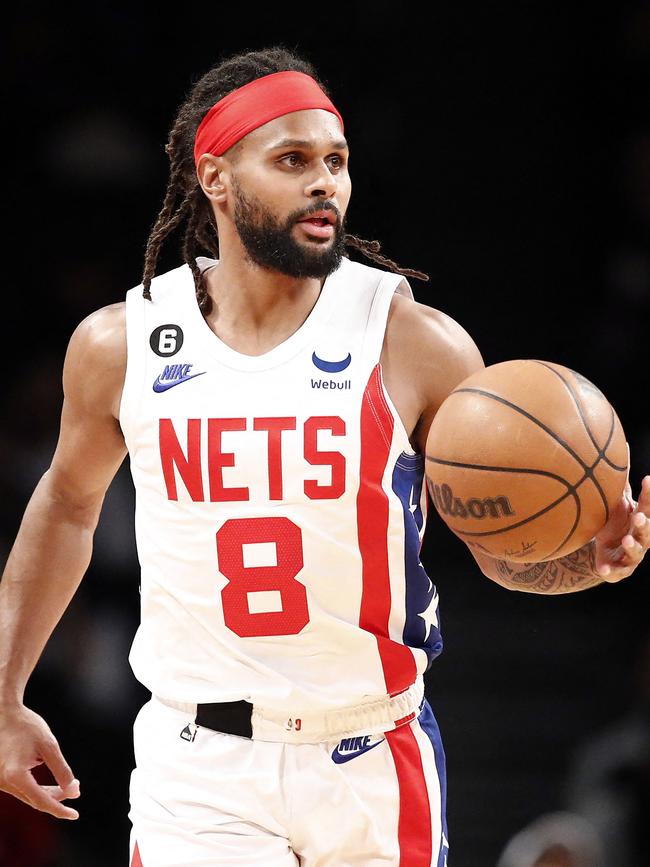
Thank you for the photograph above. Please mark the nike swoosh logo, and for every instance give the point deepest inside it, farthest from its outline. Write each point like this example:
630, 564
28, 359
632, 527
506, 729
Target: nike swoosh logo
159, 386
331, 366
339, 758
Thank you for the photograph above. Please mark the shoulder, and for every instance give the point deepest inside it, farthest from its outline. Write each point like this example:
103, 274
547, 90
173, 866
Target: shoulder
436, 344
103, 329
99, 341
95, 362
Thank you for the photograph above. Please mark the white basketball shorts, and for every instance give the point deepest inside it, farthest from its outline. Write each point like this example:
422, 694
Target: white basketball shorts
201, 798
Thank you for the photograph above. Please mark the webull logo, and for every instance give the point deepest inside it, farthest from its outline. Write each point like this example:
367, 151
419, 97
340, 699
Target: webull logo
344, 384
487, 507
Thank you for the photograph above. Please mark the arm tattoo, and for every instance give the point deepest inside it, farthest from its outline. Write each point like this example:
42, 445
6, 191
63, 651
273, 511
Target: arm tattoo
576, 571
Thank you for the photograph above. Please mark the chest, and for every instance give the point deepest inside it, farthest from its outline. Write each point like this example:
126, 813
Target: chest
292, 433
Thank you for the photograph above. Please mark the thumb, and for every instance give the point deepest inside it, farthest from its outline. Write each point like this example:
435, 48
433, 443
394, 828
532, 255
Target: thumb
73, 790
613, 531
628, 489
53, 758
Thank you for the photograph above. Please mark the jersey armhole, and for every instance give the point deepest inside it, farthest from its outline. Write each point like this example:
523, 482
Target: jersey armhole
373, 344
134, 375
378, 317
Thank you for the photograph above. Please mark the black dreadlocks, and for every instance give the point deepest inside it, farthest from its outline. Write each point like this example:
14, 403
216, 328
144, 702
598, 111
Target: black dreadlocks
194, 206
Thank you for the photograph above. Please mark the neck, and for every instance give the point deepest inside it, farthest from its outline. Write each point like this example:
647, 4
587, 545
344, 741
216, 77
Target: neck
252, 305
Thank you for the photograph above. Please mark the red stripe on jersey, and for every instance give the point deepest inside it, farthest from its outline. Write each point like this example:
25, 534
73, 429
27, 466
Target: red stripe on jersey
372, 525
414, 824
136, 861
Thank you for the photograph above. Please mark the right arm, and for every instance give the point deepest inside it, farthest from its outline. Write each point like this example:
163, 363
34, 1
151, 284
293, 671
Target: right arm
53, 548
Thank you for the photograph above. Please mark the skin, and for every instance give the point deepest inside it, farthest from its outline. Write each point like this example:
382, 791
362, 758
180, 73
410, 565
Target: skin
425, 355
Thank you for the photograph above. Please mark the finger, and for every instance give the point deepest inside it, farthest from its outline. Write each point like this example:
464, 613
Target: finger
614, 573
643, 504
27, 789
610, 563
56, 763
619, 520
622, 562
634, 550
60, 794
640, 529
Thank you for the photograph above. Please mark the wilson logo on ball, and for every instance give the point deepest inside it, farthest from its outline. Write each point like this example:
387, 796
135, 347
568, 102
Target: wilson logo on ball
487, 507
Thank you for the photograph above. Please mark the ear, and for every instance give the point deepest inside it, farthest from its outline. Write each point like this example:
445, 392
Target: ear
211, 171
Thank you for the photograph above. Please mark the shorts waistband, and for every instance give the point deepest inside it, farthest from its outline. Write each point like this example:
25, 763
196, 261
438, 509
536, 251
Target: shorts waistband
256, 722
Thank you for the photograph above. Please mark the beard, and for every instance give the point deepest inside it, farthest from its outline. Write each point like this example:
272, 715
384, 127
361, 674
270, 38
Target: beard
269, 243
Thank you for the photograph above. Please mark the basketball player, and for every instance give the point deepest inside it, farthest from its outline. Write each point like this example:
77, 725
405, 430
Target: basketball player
274, 399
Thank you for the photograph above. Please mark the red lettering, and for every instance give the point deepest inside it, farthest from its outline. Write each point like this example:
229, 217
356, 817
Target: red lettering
187, 463
275, 426
336, 460
242, 580
171, 455
217, 460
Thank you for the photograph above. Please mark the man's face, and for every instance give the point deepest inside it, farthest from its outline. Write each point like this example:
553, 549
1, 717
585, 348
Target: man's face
285, 171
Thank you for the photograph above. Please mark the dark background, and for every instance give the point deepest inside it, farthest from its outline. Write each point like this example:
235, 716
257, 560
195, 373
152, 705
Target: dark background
504, 149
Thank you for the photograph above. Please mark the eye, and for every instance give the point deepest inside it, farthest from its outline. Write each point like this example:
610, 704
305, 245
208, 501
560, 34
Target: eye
294, 159
337, 161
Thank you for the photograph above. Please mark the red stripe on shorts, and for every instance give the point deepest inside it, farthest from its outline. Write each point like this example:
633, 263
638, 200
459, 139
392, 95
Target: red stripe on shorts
404, 719
414, 826
136, 861
372, 525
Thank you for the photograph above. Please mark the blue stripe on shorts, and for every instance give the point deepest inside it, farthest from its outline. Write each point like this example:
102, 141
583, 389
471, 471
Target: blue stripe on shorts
429, 725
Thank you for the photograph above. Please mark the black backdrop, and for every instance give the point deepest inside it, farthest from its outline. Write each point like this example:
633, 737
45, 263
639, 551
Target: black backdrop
503, 149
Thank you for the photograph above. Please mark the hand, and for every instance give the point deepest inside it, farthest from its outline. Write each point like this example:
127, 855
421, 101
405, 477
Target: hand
26, 742
623, 541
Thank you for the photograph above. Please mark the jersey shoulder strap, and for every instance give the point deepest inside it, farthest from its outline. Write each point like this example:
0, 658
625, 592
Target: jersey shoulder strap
386, 285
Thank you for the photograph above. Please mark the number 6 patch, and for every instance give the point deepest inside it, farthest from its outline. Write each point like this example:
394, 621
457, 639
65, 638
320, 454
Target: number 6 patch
166, 340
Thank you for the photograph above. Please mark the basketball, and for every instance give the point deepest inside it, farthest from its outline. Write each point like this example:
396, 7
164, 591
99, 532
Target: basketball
525, 460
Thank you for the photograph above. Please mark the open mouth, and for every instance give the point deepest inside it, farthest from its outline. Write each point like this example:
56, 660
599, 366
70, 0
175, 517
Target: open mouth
317, 221
317, 227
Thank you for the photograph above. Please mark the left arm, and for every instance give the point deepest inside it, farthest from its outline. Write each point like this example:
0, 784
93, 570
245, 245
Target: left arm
441, 355
613, 554
576, 571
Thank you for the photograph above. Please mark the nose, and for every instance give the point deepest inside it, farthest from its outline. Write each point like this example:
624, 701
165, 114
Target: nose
322, 182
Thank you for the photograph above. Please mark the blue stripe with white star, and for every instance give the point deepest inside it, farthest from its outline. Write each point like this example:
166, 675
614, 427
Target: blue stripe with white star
422, 625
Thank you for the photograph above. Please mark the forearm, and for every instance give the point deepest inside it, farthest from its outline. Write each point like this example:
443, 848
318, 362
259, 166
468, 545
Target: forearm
569, 574
44, 569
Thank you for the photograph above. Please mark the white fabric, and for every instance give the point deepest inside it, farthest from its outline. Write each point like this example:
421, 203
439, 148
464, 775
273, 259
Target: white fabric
309, 726
192, 529
207, 799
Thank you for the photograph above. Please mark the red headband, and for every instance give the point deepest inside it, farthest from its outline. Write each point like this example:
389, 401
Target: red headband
255, 104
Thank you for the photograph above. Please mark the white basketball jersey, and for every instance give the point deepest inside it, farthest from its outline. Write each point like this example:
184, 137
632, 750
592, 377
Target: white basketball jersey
280, 508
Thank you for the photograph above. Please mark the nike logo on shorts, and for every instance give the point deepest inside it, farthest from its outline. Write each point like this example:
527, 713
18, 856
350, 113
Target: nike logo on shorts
350, 748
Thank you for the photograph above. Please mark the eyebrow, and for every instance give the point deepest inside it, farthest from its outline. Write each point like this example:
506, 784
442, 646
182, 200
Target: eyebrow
300, 143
